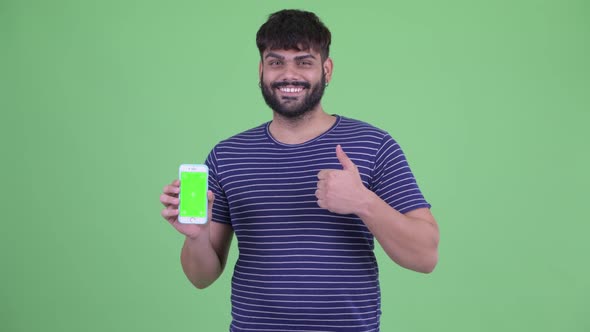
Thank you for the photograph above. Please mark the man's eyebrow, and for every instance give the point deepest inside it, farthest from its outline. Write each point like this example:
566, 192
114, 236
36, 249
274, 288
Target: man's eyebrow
274, 55
297, 58
303, 57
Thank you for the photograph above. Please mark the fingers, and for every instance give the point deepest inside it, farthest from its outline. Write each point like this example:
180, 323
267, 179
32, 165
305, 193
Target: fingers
210, 200
168, 200
325, 174
172, 189
170, 214
169, 195
346, 163
320, 194
321, 198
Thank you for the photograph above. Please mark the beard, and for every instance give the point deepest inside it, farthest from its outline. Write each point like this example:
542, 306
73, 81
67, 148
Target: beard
290, 107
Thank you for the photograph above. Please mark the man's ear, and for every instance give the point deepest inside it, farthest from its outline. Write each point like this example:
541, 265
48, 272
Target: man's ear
328, 68
260, 71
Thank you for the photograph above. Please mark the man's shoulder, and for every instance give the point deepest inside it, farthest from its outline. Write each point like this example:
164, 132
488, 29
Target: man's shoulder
249, 136
351, 124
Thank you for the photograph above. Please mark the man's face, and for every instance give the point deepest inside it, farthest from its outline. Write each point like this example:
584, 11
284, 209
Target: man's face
293, 82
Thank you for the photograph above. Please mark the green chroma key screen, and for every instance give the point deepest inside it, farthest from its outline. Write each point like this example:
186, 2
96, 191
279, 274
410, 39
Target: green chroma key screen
193, 200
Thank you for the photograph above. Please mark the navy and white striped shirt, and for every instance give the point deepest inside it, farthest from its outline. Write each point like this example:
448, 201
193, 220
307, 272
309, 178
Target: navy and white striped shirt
301, 267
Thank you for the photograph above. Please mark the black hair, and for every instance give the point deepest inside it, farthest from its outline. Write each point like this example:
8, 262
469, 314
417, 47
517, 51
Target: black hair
292, 29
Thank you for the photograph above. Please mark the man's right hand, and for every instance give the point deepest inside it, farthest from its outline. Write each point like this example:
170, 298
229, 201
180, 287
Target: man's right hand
169, 199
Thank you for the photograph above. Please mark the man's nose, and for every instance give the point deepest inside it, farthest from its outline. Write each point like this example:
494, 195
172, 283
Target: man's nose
291, 72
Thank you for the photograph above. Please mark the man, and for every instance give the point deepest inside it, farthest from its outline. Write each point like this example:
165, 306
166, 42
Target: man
305, 194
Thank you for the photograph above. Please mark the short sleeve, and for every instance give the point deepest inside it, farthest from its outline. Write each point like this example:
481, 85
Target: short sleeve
393, 180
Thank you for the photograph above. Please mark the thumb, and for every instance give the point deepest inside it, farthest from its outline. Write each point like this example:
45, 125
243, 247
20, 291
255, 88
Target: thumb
346, 163
210, 200
210, 197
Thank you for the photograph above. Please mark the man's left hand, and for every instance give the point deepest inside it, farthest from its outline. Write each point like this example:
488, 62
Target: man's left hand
340, 191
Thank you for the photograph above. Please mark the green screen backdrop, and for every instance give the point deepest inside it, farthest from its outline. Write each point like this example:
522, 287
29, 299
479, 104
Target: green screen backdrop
101, 101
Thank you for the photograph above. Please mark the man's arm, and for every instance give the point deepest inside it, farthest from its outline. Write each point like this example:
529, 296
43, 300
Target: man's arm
203, 258
205, 249
410, 239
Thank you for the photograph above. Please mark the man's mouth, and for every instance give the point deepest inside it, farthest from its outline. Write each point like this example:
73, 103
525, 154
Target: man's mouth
291, 89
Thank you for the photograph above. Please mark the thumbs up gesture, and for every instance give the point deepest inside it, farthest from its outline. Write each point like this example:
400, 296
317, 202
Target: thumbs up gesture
340, 191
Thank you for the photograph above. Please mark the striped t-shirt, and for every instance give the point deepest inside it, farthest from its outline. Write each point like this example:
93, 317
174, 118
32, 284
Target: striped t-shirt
301, 267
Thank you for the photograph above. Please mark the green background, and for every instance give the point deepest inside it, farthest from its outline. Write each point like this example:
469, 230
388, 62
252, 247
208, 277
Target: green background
102, 100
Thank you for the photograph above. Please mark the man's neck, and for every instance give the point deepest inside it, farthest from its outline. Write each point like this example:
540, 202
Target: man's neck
301, 130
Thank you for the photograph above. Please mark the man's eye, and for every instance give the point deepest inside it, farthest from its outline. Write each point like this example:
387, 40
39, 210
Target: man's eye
275, 63
305, 63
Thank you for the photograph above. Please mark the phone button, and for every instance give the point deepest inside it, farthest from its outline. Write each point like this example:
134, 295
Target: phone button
193, 220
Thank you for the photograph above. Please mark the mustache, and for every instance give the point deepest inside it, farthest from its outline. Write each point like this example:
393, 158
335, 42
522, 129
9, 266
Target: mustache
304, 84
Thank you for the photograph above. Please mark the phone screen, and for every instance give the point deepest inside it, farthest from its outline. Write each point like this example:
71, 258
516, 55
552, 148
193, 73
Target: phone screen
193, 192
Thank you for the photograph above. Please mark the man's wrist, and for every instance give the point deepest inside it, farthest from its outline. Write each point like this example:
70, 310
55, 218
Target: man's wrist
366, 203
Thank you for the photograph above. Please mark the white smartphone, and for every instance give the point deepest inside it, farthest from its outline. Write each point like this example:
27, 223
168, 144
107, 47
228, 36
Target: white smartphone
193, 194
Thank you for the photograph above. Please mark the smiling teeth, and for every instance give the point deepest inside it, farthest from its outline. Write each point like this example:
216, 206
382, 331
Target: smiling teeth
291, 90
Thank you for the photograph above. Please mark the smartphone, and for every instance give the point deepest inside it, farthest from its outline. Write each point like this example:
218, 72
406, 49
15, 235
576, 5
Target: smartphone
193, 193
